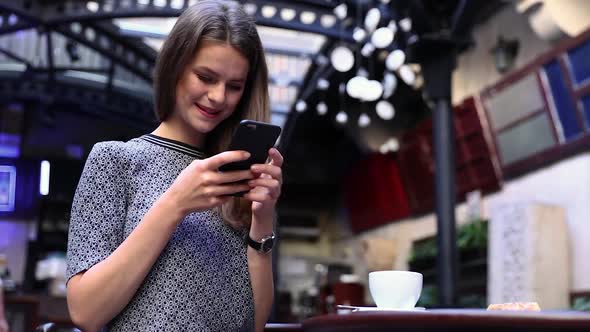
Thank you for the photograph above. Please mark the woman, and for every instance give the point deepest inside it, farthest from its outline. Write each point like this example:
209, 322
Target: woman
156, 242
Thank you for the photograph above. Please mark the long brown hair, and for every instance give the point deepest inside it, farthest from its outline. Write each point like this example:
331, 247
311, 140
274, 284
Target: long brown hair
226, 22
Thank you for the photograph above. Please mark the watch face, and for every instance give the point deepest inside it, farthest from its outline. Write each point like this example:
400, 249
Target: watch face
267, 244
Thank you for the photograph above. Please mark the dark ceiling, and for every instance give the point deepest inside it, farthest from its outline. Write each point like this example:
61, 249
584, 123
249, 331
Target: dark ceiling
318, 151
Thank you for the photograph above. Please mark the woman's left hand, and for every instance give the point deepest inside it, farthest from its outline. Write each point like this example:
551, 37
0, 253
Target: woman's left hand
266, 188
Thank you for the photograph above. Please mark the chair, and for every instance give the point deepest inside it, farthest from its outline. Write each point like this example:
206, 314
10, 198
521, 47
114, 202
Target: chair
53, 327
283, 327
47, 327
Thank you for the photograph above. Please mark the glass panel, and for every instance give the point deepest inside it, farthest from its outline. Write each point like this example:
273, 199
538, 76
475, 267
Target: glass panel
563, 101
515, 102
27, 45
580, 62
67, 53
526, 139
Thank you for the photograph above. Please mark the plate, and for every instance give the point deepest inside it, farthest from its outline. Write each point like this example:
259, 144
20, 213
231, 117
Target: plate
355, 308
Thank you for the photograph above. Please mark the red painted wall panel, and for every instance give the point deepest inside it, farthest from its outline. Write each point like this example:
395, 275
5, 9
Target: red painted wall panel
375, 193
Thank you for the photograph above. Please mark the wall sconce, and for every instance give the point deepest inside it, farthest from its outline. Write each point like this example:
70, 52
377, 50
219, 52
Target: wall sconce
72, 50
505, 52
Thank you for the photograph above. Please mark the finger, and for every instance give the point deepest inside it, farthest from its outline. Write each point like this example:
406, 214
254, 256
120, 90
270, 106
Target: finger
272, 184
272, 170
227, 189
232, 176
226, 157
276, 158
259, 195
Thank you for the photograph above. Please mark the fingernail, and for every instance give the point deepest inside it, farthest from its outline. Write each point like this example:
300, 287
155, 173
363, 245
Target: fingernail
256, 168
246, 154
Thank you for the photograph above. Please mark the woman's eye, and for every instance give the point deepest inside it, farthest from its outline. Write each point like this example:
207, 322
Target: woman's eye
235, 87
205, 79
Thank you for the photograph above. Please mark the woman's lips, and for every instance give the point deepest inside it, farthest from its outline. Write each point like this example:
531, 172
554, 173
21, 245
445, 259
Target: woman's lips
208, 112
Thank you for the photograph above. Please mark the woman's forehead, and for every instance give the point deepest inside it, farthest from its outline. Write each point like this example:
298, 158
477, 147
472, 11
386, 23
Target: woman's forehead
221, 58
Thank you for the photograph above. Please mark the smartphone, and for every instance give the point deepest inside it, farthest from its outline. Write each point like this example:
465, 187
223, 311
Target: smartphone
254, 137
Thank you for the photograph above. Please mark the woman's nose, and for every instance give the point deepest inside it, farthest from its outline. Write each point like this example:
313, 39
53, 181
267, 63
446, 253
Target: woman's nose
216, 93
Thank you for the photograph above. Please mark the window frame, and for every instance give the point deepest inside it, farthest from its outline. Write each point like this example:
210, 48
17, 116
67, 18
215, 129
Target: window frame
576, 91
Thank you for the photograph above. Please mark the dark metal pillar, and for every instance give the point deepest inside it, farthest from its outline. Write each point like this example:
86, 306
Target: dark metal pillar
437, 73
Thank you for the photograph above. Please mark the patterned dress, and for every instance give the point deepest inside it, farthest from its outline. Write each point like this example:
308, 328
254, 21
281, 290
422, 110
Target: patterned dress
200, 282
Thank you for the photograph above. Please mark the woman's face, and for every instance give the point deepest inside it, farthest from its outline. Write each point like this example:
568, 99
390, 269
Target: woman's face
209, 89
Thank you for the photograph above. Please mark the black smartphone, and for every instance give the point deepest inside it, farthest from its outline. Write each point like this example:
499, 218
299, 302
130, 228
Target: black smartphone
255, 137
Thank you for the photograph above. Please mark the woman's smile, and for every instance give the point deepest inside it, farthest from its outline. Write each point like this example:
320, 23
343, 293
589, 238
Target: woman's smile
210, 113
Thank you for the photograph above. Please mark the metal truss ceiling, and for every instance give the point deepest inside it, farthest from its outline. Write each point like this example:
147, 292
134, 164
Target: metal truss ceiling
91, 100
62, 12
89, 23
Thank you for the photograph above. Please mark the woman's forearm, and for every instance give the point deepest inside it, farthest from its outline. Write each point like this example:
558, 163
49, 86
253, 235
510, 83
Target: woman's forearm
100, 293
261, 277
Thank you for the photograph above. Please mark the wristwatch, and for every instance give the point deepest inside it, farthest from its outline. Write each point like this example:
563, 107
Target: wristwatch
265, 245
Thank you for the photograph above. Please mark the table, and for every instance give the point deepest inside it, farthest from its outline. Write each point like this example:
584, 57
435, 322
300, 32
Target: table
443, 320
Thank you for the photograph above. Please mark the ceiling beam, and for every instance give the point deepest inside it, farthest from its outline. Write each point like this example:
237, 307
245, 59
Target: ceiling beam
68, 11
113, 105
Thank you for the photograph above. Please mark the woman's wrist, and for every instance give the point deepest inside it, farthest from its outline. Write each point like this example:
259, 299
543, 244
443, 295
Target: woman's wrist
261, 226
170, 207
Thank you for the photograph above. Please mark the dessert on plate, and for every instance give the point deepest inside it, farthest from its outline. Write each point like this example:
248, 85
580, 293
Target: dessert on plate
522, 306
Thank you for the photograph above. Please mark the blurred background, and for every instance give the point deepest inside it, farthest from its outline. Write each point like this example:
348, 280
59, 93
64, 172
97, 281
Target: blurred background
383, 146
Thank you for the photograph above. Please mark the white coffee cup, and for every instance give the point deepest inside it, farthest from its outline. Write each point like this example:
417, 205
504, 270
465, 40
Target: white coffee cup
395, 289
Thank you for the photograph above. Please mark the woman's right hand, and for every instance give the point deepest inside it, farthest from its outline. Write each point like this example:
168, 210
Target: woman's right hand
201, 186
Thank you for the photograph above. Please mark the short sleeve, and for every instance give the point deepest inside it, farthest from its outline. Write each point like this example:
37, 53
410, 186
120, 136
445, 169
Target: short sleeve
98, 209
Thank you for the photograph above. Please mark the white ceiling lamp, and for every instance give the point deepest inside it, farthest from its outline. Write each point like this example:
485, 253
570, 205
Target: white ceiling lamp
176, 4
372, 19
364, 120
157, 3
367, 50
391, 145
341, 11
385, 110
355, 87
372, 90
382, 37
389, 85
328, 21
321, 60
268, 11
359, 34
92, 6
321, 108
301, 106
342, 59
250, 9
362, 72
342, 117
288, 14
407, 75
406, 24
323, 84
308, 17
395, 59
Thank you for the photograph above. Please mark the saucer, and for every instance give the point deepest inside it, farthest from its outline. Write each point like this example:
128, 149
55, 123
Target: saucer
355, 308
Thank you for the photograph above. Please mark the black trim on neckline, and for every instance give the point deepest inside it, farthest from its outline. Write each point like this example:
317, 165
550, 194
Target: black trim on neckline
174, 145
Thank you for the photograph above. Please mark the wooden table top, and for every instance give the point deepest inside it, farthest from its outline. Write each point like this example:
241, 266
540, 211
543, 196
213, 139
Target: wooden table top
451, 320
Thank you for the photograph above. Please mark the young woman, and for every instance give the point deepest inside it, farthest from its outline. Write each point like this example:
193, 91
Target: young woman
157, 242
